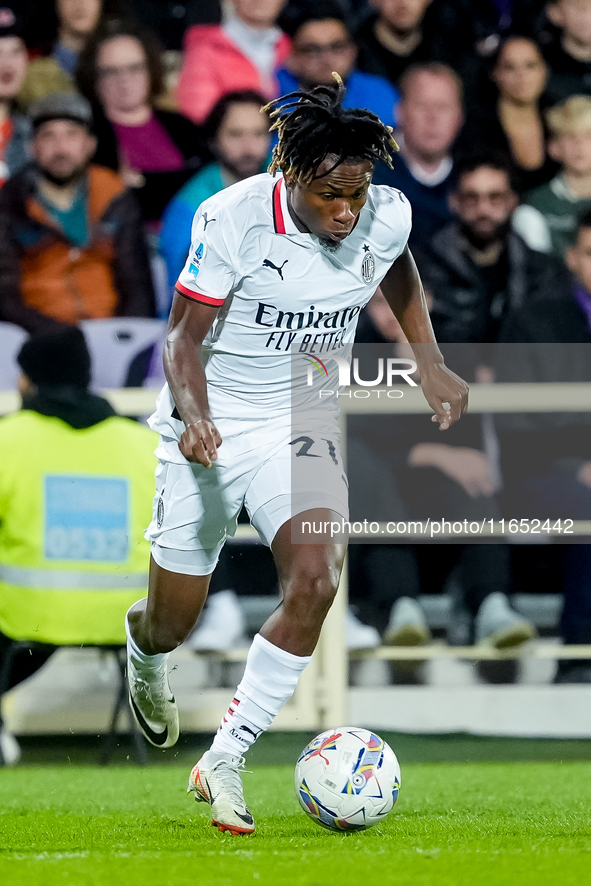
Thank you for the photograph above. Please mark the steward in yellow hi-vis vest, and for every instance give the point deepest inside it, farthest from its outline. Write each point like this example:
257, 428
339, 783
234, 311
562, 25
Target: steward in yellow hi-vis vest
76, 490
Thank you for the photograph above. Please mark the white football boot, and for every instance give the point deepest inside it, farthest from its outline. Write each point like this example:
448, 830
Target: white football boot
153, 704
220, 785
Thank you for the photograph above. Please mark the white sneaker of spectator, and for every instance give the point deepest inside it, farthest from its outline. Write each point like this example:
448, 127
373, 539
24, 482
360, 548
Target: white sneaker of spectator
222, 624
501, 626
359, 635
10, 748
407, 625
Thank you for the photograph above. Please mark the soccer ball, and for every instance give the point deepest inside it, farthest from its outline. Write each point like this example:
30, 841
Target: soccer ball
347, 779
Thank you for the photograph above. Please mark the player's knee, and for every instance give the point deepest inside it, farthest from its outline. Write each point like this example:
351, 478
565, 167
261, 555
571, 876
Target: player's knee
315, 584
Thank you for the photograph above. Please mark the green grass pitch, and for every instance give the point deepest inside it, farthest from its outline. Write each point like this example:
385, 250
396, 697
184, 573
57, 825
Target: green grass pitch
455, 824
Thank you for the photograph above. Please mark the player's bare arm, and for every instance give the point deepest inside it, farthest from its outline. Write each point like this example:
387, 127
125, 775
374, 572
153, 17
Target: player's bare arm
404, 292
188, 325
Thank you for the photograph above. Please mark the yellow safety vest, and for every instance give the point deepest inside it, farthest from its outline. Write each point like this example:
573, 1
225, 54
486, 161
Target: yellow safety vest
73, 508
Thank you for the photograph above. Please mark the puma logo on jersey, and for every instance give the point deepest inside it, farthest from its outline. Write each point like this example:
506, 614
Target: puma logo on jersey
207, 221
269, 264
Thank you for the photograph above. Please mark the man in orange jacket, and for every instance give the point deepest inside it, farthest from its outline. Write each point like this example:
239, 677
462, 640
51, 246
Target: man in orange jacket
71, 240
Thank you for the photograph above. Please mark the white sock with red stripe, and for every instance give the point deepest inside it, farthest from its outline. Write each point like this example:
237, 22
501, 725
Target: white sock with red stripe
270, 678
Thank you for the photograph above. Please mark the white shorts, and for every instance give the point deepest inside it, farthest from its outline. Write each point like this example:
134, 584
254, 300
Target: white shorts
261, 466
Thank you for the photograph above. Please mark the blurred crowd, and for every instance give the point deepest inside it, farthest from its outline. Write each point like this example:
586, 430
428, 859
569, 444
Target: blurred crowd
119, 117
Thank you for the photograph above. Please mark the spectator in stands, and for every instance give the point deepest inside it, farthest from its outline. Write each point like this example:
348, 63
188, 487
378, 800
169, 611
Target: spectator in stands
430, 118
402, 472
71, 239
155, 151
576, 615
510, 119
477, 269
578, 257
243, 53
575, 621
568, 54
76, 489
63, 28
401, 33
546, 457
488, 286
15, 128
238, 137
322, 43
548, 219
560, 312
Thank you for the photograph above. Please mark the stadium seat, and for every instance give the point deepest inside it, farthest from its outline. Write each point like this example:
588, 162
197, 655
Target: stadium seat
122, 349
11, 340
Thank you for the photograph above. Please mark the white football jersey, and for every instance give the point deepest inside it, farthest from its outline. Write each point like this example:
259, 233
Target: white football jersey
278, 290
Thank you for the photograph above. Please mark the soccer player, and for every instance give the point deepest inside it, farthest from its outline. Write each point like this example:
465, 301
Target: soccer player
275, 263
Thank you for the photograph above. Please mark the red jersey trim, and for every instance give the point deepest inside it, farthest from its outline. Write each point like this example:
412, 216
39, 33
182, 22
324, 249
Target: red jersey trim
198, 296
278, 220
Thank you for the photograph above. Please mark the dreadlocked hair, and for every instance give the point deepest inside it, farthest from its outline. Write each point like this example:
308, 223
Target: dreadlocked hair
314, 125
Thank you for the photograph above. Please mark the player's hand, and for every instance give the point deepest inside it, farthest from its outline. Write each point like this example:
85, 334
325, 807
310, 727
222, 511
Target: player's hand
199, 442
445, 392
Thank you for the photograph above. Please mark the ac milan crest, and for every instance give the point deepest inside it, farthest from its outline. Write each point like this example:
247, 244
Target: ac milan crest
368, 265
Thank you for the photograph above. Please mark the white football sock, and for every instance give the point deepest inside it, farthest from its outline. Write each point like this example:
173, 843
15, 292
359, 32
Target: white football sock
141, 660
270, 678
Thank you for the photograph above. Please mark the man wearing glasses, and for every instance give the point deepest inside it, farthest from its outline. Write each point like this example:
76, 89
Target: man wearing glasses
321, 44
